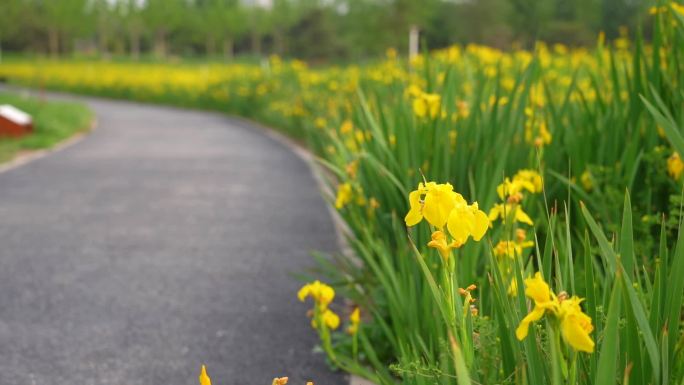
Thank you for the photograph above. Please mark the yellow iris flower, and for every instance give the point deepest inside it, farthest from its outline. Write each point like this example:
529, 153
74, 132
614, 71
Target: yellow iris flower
513, 187
440, 205
525, 179
575, 326
354, 320
544, 136
346, 127
331, 319
675, 166
433, 202
511, 249
467, 221
510, 210
344, 195
321, 293
426, 104
533, 178
439, 242
543, 298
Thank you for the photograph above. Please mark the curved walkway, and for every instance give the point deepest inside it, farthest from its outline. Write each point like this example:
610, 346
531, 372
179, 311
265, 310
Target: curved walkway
166, 239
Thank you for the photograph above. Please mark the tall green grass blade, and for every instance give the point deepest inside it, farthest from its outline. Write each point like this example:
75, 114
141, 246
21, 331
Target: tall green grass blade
607, 252
463, 377
665, 120
675, 295
626, 239
606, 371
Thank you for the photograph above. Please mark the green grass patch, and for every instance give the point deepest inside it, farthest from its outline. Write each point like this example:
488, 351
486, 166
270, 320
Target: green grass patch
53, 122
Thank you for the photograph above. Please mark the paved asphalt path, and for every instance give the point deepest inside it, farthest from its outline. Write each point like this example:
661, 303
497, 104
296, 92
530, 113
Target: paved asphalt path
166, 239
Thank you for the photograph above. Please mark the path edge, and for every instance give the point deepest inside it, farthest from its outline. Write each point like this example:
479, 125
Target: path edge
31, 156
342, 230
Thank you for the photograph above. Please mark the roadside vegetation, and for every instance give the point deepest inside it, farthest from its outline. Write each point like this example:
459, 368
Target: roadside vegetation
53, 122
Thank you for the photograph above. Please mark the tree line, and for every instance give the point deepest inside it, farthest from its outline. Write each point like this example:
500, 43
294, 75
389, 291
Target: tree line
311, 29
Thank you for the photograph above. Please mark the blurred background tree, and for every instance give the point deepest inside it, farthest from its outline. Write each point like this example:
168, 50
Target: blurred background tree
9, 13
61, 20
317, 30
131, 19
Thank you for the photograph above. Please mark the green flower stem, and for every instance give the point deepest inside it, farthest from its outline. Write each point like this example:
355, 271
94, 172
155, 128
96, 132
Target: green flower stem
324, 334
556, 356
573, 369
355, 346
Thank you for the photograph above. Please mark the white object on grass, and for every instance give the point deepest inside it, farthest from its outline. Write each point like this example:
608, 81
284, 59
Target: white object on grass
15, 115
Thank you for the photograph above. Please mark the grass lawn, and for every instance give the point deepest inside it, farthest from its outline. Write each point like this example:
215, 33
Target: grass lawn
53, 123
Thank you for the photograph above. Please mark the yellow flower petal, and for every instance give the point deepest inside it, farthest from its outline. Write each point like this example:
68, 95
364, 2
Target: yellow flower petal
203, 377
675, 166
534, 180
576, 332
321, 293
355, 316
526, 244
344, 195
537, 289
439, 242
419, 107
495, 212
326, 294
460, 223
414, 215
513, 289
331, 319
304, 292
507, 188
521, 216
439, 201
355, 320
576, 326
481, 223
523, 328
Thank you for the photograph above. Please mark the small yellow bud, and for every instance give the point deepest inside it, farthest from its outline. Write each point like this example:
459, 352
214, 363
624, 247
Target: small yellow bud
203, 377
